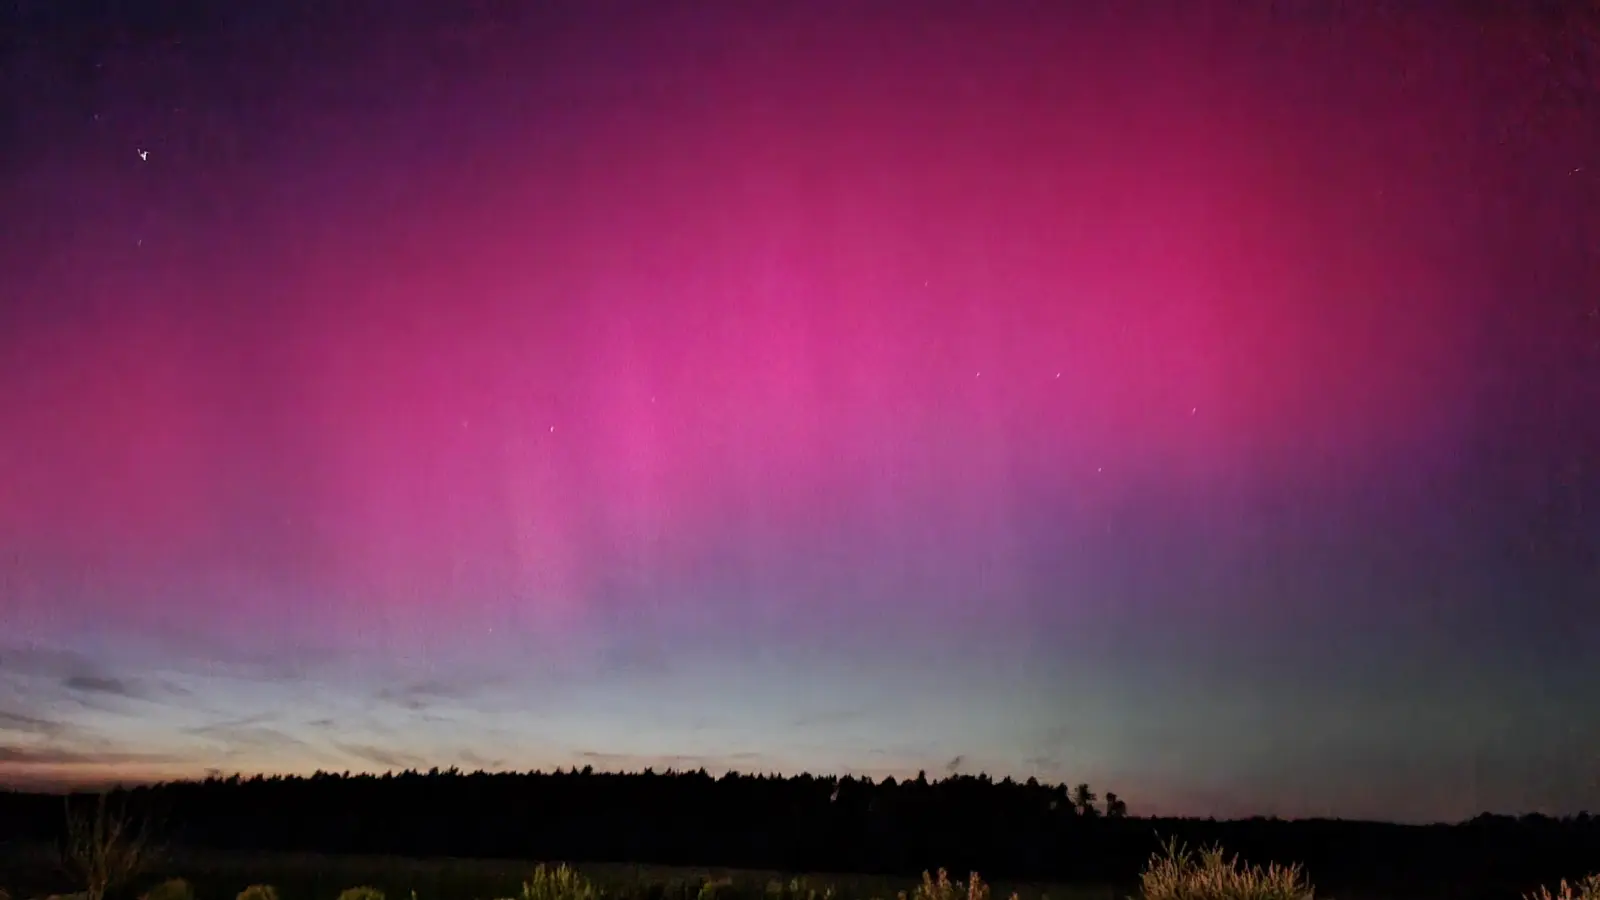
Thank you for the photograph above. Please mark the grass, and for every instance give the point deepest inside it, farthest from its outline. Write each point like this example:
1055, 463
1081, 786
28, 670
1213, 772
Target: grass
1586, 889
1174, 873
316, 877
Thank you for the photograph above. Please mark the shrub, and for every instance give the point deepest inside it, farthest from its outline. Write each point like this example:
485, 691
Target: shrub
1178, 874
171, 889
798, 889
105, 848
361, 893
1587, 889
259, 892
943, 888
715, 889
559, 883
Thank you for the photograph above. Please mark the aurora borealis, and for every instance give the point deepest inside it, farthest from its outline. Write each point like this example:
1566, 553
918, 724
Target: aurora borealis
1203, 409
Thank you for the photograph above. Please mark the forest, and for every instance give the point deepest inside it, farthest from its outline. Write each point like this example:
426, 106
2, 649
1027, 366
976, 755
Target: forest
1021, 832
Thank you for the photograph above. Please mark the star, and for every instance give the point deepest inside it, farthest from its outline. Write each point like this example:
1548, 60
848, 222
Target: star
144, 155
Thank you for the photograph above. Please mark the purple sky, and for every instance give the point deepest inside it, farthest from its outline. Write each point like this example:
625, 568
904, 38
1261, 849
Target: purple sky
1203, 409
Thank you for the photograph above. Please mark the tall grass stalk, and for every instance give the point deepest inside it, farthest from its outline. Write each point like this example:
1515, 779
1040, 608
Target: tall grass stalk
1586, 889
1176, 873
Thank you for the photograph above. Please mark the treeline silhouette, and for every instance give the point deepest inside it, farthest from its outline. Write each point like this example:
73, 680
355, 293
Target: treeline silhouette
1007, 830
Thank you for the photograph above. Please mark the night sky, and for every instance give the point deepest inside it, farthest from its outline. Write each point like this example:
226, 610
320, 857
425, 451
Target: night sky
1204, 406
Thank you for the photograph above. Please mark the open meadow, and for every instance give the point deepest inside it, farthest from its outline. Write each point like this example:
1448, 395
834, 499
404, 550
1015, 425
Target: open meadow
449, 836
33, 871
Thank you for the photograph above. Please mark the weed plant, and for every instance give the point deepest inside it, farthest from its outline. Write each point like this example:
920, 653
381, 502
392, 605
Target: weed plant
1176, 873
798, 889
943, 887
259, 892
559, 883
1587, 889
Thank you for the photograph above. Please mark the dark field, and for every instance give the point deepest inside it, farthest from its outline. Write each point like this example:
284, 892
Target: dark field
478, 836
31, 872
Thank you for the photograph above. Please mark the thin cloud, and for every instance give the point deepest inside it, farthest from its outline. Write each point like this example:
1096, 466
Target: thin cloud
176, 690
423, 694
475, 761
250, 732
19, 723
85, 681
217, 655
378, 756
683, 762
99, 684
51, 755
33, 659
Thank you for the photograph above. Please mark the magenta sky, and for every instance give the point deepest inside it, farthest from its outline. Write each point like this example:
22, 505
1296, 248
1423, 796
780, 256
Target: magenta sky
1195, 408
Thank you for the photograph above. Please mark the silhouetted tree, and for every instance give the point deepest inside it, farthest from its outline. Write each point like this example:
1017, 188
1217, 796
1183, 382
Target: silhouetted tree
1116, 808
1084, 799
1008, 831
105, 847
